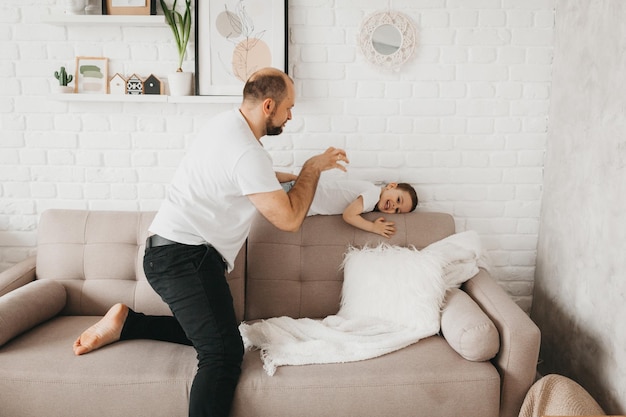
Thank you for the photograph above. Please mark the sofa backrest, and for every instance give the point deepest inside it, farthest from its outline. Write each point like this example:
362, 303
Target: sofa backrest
98, 256
298, 274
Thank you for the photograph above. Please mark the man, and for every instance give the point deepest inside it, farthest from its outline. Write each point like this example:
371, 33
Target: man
225, 178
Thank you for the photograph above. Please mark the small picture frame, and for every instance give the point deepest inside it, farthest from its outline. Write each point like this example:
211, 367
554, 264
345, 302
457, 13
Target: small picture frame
129, 7
92, 75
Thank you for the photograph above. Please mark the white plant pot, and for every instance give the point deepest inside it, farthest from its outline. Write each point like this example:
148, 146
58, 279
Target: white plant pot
64, 89
75, 6
181, 83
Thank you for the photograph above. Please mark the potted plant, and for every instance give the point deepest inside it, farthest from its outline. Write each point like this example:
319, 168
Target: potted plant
64, 79
180, 82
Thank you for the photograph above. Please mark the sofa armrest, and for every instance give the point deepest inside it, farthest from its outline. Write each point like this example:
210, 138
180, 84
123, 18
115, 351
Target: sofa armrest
28, 306
19, 274
519, 341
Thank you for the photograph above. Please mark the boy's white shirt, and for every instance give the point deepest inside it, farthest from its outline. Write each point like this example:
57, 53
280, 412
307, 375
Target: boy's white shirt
334, 195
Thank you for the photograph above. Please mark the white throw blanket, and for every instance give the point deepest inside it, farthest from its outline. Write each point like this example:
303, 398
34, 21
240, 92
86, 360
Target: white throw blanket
461, 255
288, 341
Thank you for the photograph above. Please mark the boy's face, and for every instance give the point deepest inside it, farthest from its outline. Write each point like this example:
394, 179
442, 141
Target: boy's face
393, 200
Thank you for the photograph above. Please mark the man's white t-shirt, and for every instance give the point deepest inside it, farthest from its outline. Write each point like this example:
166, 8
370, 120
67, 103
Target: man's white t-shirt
333, 196
207, 200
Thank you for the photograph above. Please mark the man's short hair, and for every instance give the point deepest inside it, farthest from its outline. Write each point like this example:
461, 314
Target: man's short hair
266, 84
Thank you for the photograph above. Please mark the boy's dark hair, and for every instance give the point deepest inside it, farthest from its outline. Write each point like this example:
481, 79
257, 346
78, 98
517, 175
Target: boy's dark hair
406, 187
409, 189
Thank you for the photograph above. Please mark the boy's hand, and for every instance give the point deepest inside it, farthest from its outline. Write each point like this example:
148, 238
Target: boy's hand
384, 228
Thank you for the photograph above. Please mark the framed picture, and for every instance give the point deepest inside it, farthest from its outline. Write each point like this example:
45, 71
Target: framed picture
129, 7
234, 38
92, 75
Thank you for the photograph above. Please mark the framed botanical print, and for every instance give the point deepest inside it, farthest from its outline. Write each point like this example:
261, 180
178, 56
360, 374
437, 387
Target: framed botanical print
92, 75
234, 38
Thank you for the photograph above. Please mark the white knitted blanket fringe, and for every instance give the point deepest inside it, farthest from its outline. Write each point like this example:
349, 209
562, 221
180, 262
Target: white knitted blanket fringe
335, 339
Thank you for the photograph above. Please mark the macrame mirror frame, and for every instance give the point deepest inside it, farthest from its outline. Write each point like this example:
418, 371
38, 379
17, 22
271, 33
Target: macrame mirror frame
398, 53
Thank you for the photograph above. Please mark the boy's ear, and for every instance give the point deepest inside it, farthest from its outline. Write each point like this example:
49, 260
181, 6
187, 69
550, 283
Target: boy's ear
391, 186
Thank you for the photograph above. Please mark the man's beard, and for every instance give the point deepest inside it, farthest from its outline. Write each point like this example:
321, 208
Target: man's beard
271, 129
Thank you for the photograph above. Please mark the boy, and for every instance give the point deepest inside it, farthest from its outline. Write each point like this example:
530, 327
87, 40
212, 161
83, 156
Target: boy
351, 198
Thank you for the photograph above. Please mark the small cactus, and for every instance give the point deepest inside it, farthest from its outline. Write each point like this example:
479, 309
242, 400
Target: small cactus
63, 77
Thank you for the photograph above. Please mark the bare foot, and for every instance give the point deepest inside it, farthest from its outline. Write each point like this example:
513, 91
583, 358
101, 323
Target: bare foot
107, 330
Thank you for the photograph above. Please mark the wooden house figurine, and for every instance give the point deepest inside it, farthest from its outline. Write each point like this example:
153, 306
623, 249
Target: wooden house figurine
152, 85
117, 84
134, 85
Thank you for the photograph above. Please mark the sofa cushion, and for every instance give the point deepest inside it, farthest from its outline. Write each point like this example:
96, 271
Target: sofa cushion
27, 306
41, 376
299, 275
427, 378
396, 284
467, 328
98, 256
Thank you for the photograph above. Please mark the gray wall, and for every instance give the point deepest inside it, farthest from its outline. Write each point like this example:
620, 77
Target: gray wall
580, 284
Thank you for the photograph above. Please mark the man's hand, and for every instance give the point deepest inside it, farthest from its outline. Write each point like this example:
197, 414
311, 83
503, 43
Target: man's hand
328, 160
384, 228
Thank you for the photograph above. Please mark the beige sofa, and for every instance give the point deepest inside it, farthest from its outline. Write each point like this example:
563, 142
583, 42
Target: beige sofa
88, 260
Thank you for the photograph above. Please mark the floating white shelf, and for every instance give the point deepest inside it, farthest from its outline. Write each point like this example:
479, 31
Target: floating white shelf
204, 99
144, 20
127, 98
71, 19
145, 98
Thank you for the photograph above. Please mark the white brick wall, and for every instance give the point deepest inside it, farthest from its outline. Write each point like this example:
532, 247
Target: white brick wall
465, 120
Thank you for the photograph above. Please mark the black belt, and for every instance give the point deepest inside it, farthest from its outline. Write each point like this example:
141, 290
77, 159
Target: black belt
156, 240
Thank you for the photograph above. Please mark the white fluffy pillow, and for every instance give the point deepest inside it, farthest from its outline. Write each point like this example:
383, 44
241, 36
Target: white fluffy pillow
393, 283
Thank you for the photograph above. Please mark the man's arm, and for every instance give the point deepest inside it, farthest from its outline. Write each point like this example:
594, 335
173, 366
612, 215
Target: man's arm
352, 216
287, 211
285, 176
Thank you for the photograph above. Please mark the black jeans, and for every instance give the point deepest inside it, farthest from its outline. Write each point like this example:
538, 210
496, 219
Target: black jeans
192, 281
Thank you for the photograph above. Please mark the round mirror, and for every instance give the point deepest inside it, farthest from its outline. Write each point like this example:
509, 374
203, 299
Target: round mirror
386, 39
